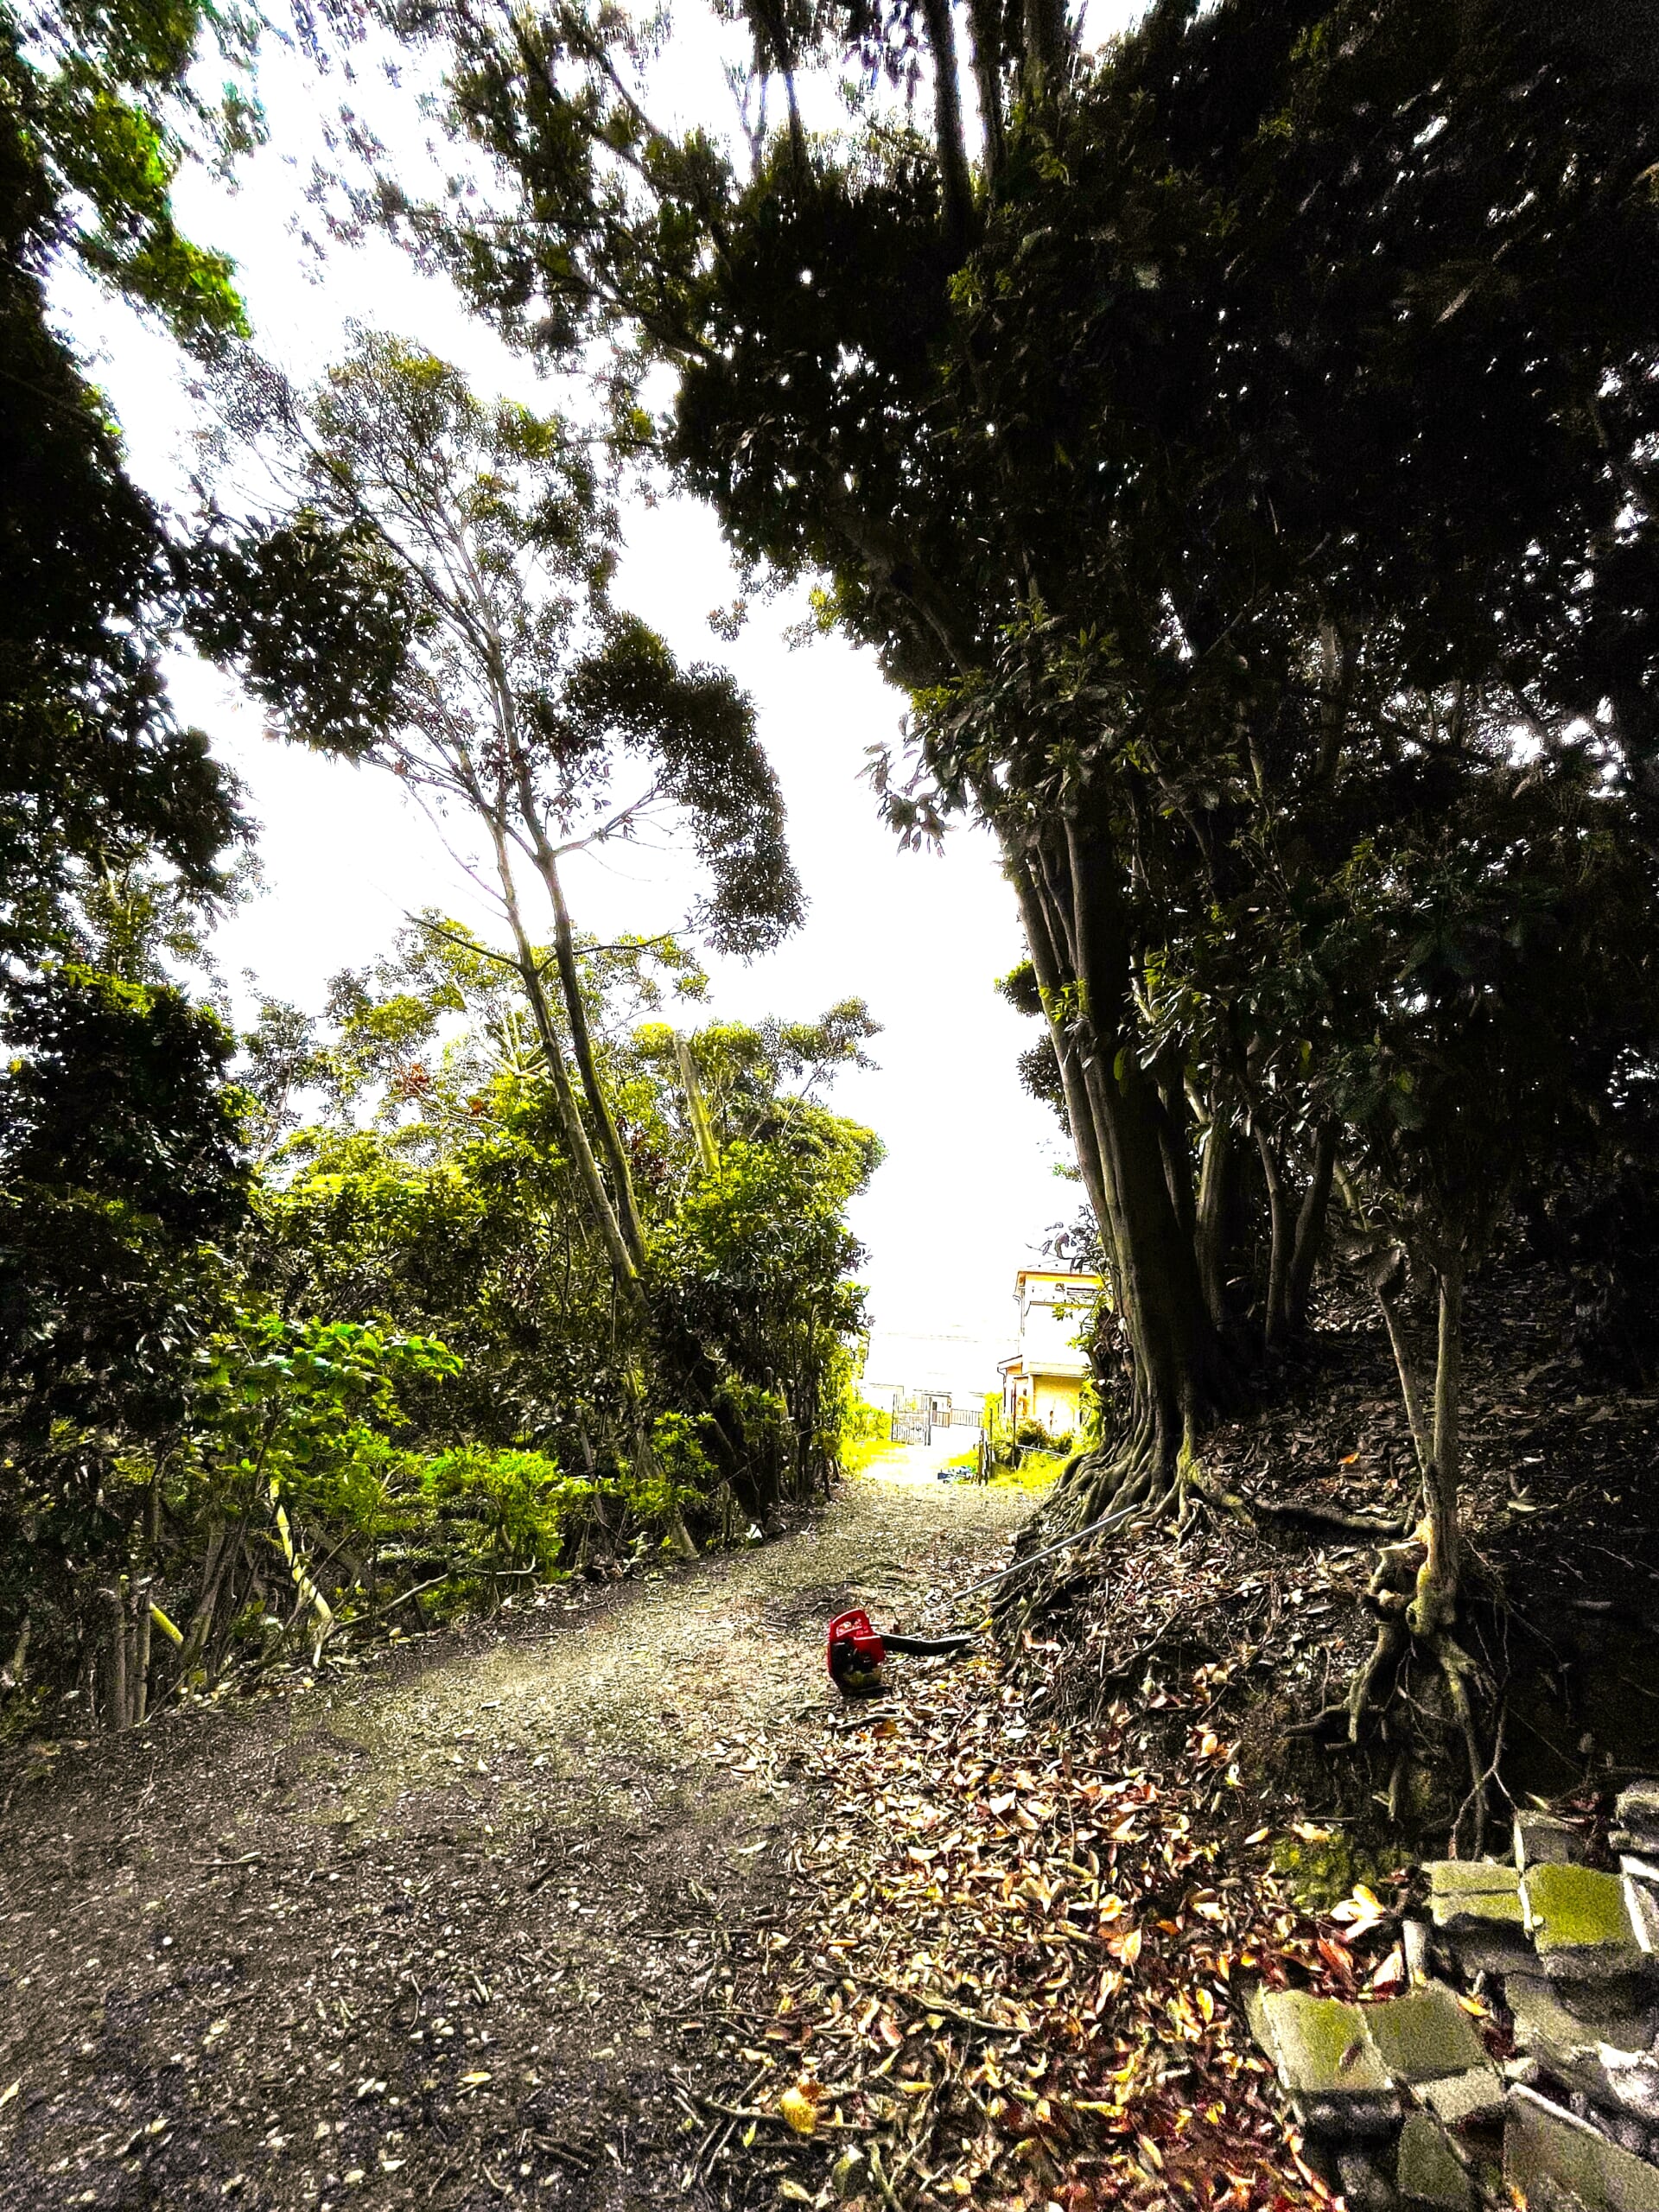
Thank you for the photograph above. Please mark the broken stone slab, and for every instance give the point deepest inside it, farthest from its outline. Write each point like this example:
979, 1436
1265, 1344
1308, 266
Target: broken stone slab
1325, 2060
1638, 1869
1570, 2045
1543, 1837
1474, 1897
1636, 1811
1475, 1904
1632, 2078
1560, 2163
1578, 1922
1364, 2184
1632, 2136
1501, 1952
1471, 2100
1450, 1877
1641, 1905
1427, 2171
1425, 2035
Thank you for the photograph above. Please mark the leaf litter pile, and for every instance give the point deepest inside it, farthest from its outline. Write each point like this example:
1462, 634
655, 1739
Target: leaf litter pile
1046, 1879
1017, 1979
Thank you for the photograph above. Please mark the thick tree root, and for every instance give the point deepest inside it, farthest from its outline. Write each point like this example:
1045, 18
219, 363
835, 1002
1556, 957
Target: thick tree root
1377, 1686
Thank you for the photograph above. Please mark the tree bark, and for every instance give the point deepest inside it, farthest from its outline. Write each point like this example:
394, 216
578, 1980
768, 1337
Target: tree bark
696, 1107
144, 1570
984, 18
114, 1602
1077, 929
1217, 1177
1272, 1319
957, 181
1179, 1358
599, 1105
198, 1628
1051, 984
1435, 1607
1406, 1369
1310, 1226
624, 1269
1046, 46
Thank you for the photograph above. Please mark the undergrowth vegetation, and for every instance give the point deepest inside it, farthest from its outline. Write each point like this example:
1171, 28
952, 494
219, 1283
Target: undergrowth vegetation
361, 1366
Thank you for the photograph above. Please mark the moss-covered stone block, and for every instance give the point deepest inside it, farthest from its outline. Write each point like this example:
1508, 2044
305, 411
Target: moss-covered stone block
1551, 2157
1471, 2100
1425, 2035
1478, 1899
1578, 1922
1427, 2171
1471, 1877
1325, 2060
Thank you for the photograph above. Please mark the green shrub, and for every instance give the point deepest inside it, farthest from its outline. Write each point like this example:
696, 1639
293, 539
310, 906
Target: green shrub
510, 1508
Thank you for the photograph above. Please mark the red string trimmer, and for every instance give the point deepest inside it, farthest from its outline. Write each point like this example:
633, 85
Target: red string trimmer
857, 1650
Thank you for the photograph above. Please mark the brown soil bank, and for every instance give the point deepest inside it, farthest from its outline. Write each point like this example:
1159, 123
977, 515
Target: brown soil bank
437, 1931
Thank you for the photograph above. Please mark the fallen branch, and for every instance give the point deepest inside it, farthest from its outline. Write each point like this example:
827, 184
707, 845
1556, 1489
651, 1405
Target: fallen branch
1330, 1516
931, 2001
1036, 1559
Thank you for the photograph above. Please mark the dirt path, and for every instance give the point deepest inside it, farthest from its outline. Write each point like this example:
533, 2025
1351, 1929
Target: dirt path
435, 1932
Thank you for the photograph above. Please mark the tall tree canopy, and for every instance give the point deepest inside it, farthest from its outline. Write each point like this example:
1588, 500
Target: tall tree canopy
1219, 389
434, 595
1239, 443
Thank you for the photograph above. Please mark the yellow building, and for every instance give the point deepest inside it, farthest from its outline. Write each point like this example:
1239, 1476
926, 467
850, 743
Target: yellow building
1044, 1380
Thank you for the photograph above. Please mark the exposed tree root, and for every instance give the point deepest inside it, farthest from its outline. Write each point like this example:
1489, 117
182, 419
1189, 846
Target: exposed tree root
1146, 1484
1377, 1686
1142, 1487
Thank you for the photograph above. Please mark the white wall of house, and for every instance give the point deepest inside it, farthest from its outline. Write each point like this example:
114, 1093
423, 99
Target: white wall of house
1053, 1310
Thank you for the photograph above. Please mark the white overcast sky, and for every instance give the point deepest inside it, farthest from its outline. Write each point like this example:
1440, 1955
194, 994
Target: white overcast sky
970, 1186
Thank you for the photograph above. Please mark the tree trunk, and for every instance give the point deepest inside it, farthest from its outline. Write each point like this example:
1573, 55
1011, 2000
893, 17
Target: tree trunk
696, 1107
1076, 927
1435, 1607
1218, 1178
624, 1268
1310, 1227
599, 1105
143, 1570
198, 1628
1052, 982
1273, 1318
954, 176
116, 1701
985, 19
1177, 1354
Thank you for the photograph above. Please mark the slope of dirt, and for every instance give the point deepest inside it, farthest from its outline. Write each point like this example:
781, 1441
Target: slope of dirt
1561, 1512
445, 1930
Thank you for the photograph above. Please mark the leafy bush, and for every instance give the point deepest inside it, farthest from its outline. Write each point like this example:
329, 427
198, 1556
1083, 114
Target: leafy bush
515, 1506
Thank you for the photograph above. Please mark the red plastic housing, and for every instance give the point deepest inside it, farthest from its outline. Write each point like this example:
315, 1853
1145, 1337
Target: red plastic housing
853, 1643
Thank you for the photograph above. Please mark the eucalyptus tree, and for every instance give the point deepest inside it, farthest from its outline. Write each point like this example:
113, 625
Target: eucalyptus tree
431, 592
1128, 404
